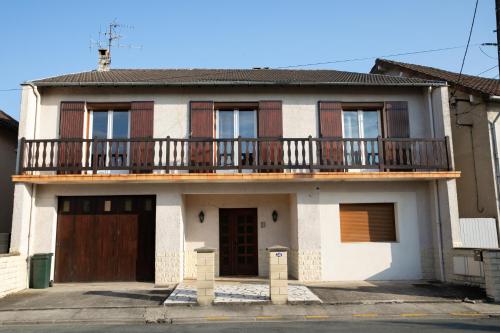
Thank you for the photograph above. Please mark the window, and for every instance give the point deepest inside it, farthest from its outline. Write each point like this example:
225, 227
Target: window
361, 124
371, 222
110, 125
230, 125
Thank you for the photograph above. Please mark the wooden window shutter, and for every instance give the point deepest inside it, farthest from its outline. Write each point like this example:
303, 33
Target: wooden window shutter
330, 119
397, 119
330, 126
397, 125
270, 125
70, 127
367, 222
201, 127
141, 127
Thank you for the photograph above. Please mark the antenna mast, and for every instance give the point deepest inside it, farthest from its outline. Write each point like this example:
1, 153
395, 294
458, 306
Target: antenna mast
111, 39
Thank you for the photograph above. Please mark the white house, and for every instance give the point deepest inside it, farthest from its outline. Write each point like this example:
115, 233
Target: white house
123, 173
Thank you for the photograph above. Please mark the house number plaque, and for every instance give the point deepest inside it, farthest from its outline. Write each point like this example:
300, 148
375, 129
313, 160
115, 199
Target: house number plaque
279, 254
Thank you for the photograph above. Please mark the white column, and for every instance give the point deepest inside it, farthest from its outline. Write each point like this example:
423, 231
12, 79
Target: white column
169, 236
308, 252
21, 216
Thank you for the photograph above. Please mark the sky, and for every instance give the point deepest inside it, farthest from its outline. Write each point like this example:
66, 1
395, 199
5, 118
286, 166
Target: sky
46, 38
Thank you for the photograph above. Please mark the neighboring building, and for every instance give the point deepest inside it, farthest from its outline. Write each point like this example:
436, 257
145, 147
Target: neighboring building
8, 151
123, 173
475, 112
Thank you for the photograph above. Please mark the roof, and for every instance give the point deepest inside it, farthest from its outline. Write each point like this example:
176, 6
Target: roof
7, 121
469, 82
195, 77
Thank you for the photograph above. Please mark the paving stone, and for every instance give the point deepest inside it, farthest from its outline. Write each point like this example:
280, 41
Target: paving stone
239, 293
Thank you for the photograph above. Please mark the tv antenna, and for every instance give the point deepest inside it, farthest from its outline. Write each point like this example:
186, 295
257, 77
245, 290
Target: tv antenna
111, 39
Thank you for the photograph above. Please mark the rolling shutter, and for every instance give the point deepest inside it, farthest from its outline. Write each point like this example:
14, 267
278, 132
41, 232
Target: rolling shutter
70, 127
270, 126
330, 126
141, 127
373, 222
202, 127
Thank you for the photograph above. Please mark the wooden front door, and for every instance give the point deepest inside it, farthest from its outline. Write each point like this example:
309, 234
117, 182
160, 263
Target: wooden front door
105, 239
238, 241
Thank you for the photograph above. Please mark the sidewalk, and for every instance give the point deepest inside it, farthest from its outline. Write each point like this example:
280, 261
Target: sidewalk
140, 303
248, 313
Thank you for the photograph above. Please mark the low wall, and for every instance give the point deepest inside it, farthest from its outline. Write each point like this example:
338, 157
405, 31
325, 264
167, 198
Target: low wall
13, 273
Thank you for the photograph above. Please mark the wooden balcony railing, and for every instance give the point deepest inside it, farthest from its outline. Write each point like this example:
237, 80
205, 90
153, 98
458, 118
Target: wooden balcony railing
241, 155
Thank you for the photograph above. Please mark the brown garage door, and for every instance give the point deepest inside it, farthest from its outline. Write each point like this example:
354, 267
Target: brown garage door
105, 239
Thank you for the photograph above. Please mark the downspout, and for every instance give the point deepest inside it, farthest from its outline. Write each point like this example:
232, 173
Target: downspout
439, 228
33, 186
493, 134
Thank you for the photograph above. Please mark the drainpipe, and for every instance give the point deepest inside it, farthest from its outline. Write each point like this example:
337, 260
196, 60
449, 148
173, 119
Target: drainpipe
33, 186
437, 203
493, 133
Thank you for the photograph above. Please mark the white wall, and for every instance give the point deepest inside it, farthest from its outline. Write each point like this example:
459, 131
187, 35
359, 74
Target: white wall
311, 228
400, 260
269, 233
300, 115
13, 273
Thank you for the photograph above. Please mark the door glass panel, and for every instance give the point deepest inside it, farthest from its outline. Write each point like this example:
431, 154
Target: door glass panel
247, 128
371, 130
370, 124
351, 125
120, 124
100, 125
226, 131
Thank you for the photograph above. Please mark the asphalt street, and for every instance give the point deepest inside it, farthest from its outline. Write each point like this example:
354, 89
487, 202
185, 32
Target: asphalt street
378, 326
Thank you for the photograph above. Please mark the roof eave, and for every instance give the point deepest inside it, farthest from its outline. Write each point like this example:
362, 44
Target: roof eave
228, 83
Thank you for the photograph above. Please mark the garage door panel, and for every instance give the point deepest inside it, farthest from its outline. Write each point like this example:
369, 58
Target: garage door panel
105, 246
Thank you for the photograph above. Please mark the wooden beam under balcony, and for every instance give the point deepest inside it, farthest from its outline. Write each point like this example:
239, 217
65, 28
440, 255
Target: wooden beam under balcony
236, 177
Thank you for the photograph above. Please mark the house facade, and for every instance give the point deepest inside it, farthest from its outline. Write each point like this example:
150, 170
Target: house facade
474, 113
123, 173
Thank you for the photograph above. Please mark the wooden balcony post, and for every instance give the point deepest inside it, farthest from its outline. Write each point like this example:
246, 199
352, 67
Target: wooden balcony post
448, 154
311, 156
167, 156
237, 158
94, 156
20, 154
381, 158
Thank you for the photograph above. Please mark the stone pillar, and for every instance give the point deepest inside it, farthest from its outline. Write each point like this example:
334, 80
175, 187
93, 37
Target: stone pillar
491, 261
278, 274
205, 269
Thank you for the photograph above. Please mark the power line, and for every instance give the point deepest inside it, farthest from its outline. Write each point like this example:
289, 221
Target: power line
375, 57
485, 53
468, 42
12, 89
487, 70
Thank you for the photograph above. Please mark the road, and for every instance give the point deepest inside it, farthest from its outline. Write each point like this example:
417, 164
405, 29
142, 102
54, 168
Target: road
379, 326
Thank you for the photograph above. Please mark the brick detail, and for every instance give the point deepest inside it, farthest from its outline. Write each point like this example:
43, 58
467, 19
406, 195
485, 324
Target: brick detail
167, 268
13, 274
278, 277
309, 265
492, 274
205, 266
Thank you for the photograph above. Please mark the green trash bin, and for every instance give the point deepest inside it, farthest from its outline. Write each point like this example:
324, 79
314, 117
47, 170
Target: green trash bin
40, 270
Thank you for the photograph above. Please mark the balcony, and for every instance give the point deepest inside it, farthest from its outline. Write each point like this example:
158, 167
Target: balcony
240, 155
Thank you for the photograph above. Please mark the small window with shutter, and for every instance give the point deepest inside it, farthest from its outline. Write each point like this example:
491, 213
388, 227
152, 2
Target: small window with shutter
367, 222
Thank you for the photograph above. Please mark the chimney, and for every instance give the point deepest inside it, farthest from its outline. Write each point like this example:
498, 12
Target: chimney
104, 60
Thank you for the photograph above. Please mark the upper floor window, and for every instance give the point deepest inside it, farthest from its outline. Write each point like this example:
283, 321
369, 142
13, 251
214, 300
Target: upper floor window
232, 124
109, 124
